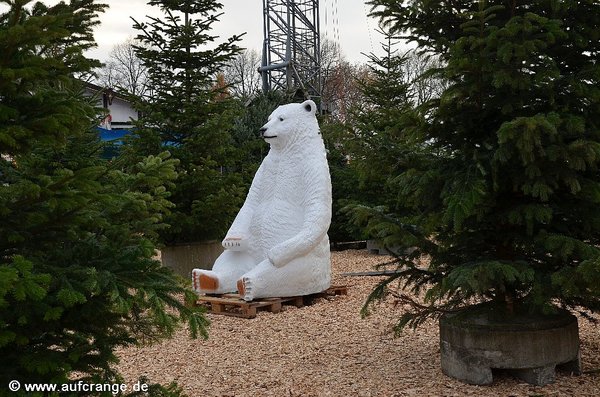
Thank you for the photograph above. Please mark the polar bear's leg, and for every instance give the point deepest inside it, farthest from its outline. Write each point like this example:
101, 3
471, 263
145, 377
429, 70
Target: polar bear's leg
302, 276
228, 268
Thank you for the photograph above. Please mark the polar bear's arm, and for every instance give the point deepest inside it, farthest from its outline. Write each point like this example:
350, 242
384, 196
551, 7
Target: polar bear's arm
241, 223
317, 218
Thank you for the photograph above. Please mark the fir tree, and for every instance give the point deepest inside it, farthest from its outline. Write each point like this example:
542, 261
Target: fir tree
502, 188
36, 53
375, 137
345, 183
187, 113
376, 131
77, 274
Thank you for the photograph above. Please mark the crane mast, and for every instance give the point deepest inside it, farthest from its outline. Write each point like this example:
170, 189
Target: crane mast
291, 49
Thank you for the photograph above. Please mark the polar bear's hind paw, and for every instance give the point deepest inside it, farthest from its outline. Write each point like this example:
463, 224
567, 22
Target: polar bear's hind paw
203, 282
208, 283
244, 286
241, 288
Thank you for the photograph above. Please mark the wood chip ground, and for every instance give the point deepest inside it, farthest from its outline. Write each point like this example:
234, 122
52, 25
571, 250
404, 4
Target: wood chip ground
327, 349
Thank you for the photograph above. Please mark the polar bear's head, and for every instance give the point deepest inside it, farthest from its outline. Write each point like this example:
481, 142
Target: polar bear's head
291, 123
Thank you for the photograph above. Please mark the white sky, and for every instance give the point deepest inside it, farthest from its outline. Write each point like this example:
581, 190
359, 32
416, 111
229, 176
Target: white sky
355, 31
344, 21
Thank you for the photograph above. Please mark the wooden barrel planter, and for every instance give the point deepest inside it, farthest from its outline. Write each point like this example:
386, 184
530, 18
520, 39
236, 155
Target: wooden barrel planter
183, 258
483, 337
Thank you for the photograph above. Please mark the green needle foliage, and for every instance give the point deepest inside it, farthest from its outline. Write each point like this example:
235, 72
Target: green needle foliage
377, 138
78, 277
501, 186
373, 139
188, 113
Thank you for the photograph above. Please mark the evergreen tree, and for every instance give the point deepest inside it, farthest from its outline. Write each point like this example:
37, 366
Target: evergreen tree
77, 274
345, 183
187, 113
376, 131
37, 53
502, 188
373, 140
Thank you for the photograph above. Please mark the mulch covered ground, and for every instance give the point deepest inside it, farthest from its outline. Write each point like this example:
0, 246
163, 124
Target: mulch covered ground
327, 349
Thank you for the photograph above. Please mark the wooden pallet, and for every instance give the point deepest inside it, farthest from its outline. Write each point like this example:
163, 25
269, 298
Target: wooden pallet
233, 305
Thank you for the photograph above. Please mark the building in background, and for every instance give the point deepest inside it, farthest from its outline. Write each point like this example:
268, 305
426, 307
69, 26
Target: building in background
118, 122
120, 112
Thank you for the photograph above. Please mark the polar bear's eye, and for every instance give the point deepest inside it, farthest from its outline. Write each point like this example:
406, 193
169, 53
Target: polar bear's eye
280, 118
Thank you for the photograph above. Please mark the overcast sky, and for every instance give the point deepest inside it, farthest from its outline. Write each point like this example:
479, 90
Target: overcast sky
354, 30
344, 21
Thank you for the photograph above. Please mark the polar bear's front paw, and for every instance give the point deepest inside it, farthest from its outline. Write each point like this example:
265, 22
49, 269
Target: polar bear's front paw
276, 257
204, 282
244, 286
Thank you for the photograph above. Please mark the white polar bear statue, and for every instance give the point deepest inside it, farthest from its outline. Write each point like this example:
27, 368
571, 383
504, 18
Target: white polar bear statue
277, 245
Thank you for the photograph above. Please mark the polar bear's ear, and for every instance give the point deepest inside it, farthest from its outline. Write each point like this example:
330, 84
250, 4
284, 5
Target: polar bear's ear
309, 106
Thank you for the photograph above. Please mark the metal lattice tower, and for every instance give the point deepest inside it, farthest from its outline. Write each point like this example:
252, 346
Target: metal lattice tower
291, 52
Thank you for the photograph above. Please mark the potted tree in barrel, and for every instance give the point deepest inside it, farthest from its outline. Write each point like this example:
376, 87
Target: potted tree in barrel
500, 185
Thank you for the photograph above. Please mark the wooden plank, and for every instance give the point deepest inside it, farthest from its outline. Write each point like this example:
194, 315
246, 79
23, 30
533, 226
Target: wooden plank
338, 290
215, 299
275, 307
262, 303
250, 312
298, 301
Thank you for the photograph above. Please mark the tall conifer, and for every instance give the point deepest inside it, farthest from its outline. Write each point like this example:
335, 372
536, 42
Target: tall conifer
186, 112
77, 273
503, 186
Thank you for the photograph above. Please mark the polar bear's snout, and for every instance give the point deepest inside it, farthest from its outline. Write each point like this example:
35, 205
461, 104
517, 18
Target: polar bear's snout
263, 133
